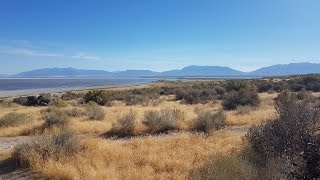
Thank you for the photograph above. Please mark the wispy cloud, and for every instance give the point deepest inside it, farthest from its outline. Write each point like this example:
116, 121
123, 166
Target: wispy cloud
27, 48
82, 55
29, 52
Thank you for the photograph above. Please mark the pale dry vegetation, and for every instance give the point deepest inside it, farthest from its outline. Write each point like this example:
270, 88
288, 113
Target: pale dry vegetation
125, 138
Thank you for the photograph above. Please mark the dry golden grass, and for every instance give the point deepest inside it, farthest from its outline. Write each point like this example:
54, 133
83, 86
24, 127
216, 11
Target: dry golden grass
21, 129
171, 156
259, 115
159, 157
82, 125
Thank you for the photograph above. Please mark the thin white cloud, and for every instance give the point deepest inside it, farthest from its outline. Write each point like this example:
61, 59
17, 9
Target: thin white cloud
82, 55
28, 52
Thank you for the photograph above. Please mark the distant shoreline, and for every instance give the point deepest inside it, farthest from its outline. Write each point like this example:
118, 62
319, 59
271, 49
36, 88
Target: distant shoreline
32, 92
58, 90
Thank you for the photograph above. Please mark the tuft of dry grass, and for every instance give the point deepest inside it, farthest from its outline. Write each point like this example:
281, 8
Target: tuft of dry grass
14, 119
46, 147
94, 111
160, 157
124, 128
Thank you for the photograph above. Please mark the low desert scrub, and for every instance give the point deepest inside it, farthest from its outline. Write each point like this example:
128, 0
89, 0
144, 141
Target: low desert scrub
94, 111
71, 96
58, 103
42, 100
48, 147
124, 128
238, 166
55, 118
14, 119
226, 167
208, 121
131, 100
292, 136
243, 97
160, 121
75, 112
98, 96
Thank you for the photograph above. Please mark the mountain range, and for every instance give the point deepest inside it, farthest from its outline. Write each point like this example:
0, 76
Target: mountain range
203, 71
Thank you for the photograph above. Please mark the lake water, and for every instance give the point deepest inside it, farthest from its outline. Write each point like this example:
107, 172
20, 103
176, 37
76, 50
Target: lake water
15, 87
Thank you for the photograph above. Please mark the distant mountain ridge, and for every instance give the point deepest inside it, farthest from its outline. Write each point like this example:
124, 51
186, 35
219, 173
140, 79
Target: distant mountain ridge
275, 70
204, 71
287, 69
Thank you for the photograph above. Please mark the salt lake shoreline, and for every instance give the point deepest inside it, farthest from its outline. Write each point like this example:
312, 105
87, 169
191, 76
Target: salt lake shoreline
33, 92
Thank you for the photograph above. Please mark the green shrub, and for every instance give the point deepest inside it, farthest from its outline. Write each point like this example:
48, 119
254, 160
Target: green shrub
160, 122
21, 100
124, 128
58, 103
242, 97
98, 96
94, 111
55, 118
13, 119
208, 121
56, 146
71, 96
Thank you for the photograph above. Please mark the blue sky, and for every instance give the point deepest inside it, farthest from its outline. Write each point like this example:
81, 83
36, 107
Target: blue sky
157, 34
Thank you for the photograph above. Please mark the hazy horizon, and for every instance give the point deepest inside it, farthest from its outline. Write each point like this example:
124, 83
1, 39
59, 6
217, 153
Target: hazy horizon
157, 35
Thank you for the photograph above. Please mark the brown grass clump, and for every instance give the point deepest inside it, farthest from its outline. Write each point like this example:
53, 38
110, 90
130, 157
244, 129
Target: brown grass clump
160, 122
226, 167
94, 111
75, 112
14, 119
124, 128
208, 121
55, 118
43, 148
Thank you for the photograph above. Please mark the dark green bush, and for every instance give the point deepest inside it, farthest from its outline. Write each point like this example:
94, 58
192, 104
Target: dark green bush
98, 96
243, 97
21, 100
42, 100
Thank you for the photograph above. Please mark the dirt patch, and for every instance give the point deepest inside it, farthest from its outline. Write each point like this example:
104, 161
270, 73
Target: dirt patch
10, 142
